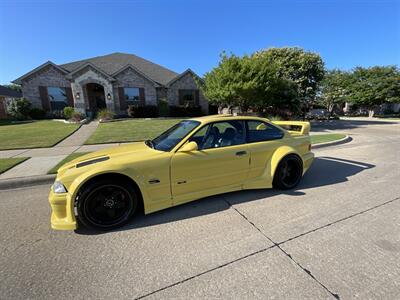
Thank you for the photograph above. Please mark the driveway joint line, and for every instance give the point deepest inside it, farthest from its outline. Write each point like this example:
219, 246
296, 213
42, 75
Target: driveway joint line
340, 220
26, 150
308, 272
205, 272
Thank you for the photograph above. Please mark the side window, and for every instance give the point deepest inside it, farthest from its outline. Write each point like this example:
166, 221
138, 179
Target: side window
224, 134
200, 136
260, 131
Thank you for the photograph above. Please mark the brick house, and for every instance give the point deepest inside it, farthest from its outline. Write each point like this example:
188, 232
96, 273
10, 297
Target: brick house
7, 96
111, 81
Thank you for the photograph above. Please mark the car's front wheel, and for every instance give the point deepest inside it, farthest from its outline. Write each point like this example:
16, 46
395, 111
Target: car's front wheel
106, 204
288, 173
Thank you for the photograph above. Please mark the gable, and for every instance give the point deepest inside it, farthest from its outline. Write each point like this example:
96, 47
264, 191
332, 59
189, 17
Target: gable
131, 74
46, 69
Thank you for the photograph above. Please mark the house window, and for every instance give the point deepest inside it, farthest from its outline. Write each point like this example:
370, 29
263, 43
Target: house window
189, 97
57, 97
132, 96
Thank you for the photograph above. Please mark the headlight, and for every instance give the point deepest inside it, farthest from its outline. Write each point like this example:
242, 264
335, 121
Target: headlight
59, 188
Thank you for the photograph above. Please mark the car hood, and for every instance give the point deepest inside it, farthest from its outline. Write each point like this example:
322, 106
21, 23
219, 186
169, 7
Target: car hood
139, 150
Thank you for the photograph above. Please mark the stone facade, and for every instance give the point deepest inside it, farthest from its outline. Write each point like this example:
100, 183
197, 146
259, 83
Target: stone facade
131, 78
91, 75
48, 76
186, 81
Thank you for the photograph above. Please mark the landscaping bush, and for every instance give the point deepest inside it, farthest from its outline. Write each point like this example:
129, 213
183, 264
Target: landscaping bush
37, 114
77, 116
148, 111
20, 108
68, 112
180, 111
105, 114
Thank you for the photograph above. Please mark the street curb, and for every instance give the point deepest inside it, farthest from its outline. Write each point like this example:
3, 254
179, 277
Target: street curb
13, 183
344, 140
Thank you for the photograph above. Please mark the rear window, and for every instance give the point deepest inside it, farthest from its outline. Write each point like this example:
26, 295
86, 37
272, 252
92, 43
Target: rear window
260, 132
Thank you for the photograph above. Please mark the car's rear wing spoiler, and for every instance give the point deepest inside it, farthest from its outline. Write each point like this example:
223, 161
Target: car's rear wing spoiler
297, 127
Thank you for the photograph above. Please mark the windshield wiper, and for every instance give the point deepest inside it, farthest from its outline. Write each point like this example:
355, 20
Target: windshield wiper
149, 143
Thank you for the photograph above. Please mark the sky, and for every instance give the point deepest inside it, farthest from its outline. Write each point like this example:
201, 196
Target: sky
181, 34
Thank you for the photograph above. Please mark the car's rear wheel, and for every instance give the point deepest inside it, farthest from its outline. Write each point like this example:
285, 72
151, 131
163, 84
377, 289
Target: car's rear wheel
106, 204
288, 172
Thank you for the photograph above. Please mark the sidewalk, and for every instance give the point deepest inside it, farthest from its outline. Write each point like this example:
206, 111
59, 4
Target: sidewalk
43, 159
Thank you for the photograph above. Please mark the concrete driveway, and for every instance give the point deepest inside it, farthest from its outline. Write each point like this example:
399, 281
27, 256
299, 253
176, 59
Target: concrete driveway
336, 236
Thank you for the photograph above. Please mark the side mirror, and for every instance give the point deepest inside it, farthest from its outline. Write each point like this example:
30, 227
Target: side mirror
189, 147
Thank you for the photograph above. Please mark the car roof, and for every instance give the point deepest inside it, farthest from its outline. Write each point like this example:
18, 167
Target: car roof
226, 117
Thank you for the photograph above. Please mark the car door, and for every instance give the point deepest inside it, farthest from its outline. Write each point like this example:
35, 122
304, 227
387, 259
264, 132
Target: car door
262, 138
221, 162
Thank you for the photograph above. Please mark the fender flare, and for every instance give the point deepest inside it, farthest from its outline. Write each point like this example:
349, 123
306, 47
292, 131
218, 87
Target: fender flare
78, 182
280, 153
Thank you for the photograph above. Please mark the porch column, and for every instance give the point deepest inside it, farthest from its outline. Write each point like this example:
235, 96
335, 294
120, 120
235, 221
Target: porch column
109, 95
79, 97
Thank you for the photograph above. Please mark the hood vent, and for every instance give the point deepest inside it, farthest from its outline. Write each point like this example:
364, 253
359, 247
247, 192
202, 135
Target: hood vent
92, 161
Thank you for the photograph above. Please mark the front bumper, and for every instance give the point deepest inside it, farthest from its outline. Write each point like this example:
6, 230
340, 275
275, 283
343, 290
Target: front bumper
62, 211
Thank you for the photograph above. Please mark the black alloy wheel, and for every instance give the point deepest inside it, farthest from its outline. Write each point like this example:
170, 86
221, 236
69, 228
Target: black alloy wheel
288, 172
106, 205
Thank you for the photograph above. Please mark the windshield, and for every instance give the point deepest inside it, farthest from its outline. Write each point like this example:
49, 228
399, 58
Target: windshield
170, 138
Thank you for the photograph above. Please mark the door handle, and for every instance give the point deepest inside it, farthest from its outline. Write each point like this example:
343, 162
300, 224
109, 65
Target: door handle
241, 153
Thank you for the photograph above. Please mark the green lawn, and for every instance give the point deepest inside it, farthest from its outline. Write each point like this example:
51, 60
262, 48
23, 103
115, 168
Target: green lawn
130, 130
70, 157
35, 134
323, 138
8, 163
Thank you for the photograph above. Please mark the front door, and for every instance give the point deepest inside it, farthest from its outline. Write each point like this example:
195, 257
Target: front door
96, 97
222, 162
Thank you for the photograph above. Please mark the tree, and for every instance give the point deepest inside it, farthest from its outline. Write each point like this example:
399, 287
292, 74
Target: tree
304, 68
224, 85
247, 82
20, 108
14, 87
333, 89
371, 87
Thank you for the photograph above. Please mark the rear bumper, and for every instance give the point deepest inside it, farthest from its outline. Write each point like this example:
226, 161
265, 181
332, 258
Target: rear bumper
307, 161
62, 215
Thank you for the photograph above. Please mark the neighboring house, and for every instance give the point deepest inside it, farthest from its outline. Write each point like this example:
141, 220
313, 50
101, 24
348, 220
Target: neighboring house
6, 97
111, 81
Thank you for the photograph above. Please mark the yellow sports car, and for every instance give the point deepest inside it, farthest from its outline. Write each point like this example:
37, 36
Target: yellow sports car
193, 159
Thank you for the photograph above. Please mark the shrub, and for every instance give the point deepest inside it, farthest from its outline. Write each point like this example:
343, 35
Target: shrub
37, 113
388, 111
181, 111
105, 114
68, 112
20, 108
77, 116
148, 111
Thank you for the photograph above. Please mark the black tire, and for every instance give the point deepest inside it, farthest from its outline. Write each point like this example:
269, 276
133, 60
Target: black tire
107, 204
288, 173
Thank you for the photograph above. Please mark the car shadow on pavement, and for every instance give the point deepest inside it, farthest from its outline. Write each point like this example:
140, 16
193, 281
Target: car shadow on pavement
320, 126
324, 171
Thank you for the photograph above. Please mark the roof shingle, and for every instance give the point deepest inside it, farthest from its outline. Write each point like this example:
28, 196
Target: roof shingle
7, 92
112, 63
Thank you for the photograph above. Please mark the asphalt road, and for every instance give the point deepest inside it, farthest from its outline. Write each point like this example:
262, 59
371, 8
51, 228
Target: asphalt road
336, 236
